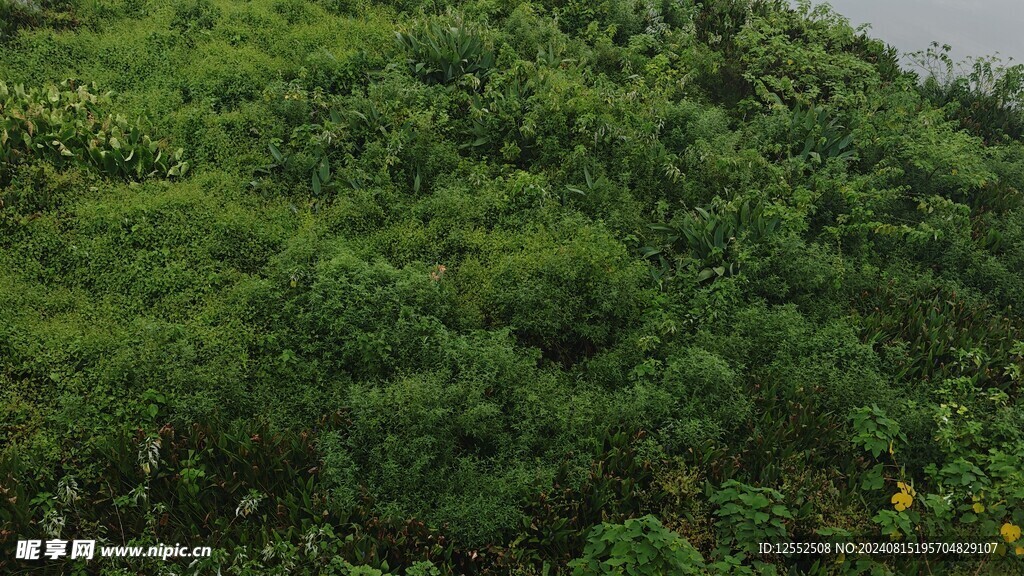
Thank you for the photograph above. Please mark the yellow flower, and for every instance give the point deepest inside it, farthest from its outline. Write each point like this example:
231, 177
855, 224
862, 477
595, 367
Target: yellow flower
1019, 551
902, 500
1010, 532
906, 489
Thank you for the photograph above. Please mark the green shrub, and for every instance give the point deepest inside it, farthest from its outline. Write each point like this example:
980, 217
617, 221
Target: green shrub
639, 546
346, 315
194, 15
809, 52
468, 442
748, 516
818, 136
293, 11
41, 187
342, 7
442, 54
623, 19
228, 76
568, 291
403, 321
707, 399
705, 243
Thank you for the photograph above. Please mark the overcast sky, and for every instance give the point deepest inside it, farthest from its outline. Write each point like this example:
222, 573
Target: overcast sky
971, 27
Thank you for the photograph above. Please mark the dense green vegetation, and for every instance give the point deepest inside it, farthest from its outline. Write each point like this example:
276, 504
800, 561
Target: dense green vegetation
495, 287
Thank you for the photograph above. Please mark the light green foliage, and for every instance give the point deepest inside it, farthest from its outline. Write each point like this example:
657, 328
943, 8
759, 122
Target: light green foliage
940, 151
639, 546
68, 124
748, 515
874, 432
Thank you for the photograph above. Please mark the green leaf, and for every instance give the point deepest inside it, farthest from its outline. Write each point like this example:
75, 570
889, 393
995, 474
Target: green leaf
705, 274
276, 153
325, 170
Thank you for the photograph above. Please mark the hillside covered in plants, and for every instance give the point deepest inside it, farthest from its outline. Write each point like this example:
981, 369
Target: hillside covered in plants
561, 287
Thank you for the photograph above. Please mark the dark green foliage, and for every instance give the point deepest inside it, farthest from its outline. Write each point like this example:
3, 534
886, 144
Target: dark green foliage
818, 137
15, 14
618, 486
718, 24
941, 335
462, 459
623, 19
696, 400
243, 487
885, 57
699, 374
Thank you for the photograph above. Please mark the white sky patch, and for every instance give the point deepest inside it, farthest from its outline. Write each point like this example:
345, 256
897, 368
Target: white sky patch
971, 27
